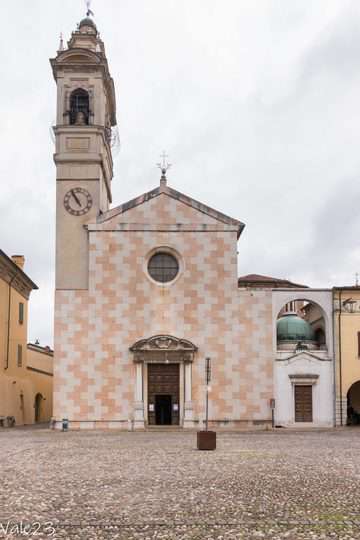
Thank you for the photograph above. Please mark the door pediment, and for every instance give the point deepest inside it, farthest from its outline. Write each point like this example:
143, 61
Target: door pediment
163, 346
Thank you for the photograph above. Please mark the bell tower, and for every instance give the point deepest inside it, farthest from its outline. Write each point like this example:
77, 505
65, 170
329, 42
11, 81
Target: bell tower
86, 112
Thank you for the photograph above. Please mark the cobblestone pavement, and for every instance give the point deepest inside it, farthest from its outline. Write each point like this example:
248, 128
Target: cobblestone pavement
107, 485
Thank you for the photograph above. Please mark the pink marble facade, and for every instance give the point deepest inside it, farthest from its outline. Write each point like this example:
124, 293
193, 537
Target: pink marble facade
94, 369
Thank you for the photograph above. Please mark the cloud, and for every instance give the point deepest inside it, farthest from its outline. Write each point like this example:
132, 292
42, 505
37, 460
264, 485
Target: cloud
255, 102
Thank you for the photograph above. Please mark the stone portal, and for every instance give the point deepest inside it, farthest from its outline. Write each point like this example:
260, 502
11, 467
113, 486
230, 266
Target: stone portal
163, 381
163, 394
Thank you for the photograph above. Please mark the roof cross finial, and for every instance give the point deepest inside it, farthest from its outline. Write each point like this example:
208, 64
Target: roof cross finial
89, 13
164, 166
61, 45
357, 279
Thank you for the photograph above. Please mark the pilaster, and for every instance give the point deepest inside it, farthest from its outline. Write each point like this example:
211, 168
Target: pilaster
341, 411
188, 407
139, 400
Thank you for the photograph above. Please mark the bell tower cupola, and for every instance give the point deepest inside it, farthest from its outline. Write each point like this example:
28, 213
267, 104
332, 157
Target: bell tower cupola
86, 115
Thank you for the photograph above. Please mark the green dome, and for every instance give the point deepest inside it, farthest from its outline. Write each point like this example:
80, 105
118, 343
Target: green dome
87, 22
291, 327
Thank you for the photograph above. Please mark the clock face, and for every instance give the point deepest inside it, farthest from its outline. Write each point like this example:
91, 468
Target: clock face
78, 201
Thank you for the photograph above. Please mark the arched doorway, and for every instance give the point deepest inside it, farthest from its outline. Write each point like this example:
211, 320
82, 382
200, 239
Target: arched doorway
353, 404
38, 406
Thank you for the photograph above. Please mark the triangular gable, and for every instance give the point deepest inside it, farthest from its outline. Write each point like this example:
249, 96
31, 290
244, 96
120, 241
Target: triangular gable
165, 205
306, 354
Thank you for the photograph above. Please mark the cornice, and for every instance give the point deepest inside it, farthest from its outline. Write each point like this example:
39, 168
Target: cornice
12, 274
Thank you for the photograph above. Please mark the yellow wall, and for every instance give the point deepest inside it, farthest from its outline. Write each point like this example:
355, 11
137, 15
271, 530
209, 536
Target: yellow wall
3, 320
39, 372
18, 384
15, 388
347, 339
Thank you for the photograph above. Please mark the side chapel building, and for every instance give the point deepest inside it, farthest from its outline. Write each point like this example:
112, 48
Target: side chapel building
147, 290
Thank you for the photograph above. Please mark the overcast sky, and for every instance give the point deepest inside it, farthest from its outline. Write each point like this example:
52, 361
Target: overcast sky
257, 103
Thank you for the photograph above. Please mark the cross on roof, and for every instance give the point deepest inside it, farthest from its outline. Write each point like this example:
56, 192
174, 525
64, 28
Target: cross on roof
88, 12
164, 166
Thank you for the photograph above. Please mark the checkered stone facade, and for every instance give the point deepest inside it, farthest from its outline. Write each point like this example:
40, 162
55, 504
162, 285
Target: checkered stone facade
95, 373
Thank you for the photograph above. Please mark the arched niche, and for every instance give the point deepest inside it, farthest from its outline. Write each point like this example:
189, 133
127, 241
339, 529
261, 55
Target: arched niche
319, 298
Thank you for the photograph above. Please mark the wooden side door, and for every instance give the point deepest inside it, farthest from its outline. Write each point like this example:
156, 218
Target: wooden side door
303, 403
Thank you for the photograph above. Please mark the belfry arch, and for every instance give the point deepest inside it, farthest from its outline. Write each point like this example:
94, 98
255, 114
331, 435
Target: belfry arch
163, 393
79, 107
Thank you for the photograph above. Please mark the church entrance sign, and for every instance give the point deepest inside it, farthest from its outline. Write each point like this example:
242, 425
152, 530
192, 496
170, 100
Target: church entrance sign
163, 393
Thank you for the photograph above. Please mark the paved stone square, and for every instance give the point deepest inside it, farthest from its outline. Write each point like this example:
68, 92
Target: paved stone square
113, 485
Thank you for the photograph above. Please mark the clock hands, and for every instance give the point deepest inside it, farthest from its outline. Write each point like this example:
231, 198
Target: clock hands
76, 197
78, 201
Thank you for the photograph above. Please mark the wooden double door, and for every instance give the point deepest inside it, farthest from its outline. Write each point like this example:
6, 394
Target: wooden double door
163, 394
303, 403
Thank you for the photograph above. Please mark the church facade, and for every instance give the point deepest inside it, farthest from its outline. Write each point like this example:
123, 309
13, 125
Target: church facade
148, 290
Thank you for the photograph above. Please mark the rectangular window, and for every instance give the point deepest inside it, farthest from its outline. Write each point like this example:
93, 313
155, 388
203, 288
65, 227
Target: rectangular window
21, 313
19, 356
358, 334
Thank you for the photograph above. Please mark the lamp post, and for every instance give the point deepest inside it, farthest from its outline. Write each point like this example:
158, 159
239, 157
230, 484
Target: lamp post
207, 382
206, 440
272, 407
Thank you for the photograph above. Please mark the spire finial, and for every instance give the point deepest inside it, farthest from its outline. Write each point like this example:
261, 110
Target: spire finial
89, 13
164, 166
61, 45
357, 279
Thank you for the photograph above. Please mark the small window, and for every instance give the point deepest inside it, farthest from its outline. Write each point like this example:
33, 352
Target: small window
163, 267
19, 356
21, 313
79, 107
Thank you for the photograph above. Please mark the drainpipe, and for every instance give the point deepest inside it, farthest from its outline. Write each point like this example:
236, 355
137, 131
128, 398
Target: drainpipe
8, 328
334, 355
340, 361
